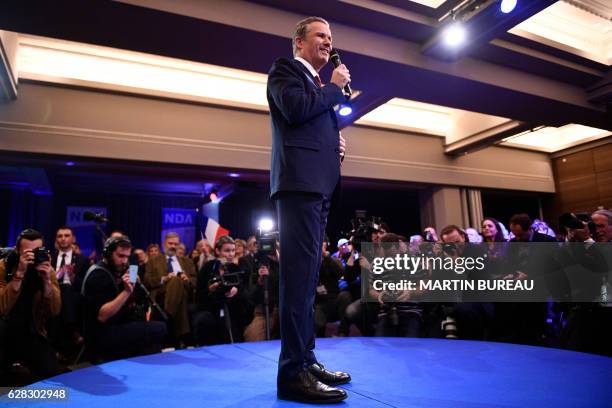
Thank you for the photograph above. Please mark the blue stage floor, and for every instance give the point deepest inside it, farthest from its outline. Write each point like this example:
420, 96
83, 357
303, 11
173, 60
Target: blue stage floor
387, 372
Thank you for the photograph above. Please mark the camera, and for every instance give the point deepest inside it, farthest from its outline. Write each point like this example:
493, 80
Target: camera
41, 254
363, 229
266, 243
232, 276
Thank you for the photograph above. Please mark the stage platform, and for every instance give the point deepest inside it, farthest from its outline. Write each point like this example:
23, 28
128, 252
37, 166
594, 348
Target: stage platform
387, 372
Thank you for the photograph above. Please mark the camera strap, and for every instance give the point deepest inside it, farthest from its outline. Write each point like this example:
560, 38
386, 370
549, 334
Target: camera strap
93, 268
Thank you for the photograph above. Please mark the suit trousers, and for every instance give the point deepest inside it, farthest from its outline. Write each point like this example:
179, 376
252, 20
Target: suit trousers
302, 218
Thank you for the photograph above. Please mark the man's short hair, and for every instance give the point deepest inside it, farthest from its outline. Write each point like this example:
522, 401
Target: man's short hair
225, 239
29, 235
301, 29
606, 213
151, 246
521, 219
172, 235
390, 237
113, 243
65, 227
449, 230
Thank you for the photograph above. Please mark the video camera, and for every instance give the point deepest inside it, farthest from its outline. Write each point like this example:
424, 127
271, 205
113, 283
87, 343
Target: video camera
232, 276
266, 242
577, 221
363, 229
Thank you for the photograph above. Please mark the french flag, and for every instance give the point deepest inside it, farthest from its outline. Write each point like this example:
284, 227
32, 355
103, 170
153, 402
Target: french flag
213, 231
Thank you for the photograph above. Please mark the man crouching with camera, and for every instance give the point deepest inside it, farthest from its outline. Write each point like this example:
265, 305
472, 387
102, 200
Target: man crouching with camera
113, 326
29, 296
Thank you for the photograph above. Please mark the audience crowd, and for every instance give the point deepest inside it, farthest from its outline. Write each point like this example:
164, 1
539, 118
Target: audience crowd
59, 308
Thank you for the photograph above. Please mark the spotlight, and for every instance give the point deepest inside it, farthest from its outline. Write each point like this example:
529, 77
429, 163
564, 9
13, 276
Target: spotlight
234, 175
345, 109
70, 164
454, 34
507, 6
266, 225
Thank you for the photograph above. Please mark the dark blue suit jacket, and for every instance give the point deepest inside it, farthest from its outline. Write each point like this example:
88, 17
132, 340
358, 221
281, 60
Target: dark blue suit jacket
305, 147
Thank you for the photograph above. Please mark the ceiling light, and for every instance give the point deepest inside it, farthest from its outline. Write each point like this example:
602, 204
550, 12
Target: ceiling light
551, 139
455, 34
345, 109
507, 6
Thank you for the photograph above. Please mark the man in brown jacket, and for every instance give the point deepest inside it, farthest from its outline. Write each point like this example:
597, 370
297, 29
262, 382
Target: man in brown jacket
172, 280
29, 296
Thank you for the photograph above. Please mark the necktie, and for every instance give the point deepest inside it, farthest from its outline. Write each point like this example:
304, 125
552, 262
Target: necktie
170, 267
66, 278
318, 81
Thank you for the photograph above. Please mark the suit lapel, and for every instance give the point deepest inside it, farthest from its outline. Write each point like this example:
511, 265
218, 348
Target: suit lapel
306, 72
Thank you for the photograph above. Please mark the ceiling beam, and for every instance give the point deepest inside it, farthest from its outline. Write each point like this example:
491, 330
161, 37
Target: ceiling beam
486, 138
380, 65
8, 63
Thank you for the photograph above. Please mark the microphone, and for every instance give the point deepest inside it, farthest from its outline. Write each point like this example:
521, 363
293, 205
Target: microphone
335, 59
91, 216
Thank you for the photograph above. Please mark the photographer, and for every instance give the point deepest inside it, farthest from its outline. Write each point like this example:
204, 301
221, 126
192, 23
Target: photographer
113, 326
587, 265
362, 314
29, 296
474, 319
400, 315
330, 303
221, 300
266, 272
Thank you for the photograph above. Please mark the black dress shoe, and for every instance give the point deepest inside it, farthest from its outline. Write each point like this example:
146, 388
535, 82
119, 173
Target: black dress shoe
329, 377
304, 387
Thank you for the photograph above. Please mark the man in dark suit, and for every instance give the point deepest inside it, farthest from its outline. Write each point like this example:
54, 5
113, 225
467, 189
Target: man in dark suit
305, 170
70, 266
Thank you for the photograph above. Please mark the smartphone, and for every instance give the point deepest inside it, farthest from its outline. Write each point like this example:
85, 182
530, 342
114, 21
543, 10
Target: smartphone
133, 273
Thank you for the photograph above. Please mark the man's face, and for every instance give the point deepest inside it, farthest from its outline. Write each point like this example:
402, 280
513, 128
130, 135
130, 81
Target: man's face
120, 258
316, 45
344, 249
64, 239
604, 230
141, 256
519, 232
454, 237
227, 251
252, 245
578, 235
24, 245
377, 235
171, 245
153, 251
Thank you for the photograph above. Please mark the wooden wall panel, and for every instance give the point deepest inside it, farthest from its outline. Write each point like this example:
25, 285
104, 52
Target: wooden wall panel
583, 181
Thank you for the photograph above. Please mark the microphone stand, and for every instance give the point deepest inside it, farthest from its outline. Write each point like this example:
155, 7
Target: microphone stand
152, 301
267, 307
